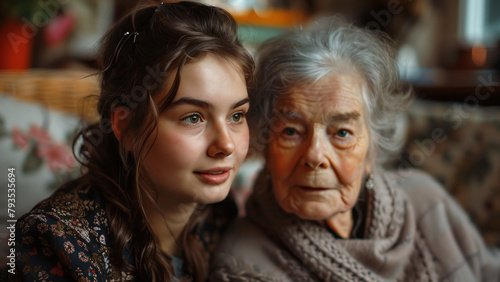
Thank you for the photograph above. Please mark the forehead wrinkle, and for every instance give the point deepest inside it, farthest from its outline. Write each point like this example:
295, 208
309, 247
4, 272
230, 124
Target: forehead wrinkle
341, 83
344, 116
336, 98
290, 113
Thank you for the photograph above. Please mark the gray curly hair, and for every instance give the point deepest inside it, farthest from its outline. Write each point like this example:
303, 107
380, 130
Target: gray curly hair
307, 55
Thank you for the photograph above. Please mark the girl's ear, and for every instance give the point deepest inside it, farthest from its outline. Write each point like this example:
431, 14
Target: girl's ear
120, 117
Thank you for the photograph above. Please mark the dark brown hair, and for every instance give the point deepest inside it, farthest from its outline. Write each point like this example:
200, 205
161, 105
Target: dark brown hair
137, 54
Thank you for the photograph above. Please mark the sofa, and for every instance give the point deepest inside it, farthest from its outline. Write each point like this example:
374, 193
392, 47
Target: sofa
459, 144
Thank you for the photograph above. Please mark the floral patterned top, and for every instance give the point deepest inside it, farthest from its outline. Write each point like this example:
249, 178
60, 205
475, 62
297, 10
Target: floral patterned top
65, 237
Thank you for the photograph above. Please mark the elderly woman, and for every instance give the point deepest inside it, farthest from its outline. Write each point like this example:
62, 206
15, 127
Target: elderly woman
323, 209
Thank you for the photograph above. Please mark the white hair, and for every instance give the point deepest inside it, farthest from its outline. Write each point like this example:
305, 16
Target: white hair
308, 54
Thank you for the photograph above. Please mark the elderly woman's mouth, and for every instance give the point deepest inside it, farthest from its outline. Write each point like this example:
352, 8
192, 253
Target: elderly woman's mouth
315, 189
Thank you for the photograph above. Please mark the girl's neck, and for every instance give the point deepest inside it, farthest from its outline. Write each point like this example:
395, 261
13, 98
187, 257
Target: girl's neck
168, 223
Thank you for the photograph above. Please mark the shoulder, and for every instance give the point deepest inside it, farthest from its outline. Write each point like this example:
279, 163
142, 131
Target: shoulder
76, 208
67, 233
433, 206
420, 187
247, 252
447, 229
243, 230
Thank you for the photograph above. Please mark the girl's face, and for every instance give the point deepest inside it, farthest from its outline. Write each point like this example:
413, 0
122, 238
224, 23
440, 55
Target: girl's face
202, 136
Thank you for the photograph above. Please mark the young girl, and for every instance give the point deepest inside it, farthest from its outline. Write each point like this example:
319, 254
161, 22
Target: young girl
170, 140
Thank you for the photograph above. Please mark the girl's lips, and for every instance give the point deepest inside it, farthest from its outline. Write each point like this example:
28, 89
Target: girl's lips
214, 176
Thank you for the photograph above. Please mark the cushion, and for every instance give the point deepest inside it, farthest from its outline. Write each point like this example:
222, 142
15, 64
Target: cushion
36, 142
459, 145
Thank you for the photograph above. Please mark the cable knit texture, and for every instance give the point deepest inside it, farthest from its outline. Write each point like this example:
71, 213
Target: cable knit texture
414, 232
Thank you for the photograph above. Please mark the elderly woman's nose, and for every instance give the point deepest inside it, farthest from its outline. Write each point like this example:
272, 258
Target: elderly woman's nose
222, 143
317, 149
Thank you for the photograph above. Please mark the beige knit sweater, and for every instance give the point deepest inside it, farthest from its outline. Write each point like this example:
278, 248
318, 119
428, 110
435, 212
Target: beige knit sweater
414, 232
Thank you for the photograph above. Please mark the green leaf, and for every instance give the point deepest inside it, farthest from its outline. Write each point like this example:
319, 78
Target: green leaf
25, 9
32, 161
3, 130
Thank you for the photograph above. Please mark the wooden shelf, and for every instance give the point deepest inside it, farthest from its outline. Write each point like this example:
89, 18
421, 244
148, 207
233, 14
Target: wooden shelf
270, 18
480, 87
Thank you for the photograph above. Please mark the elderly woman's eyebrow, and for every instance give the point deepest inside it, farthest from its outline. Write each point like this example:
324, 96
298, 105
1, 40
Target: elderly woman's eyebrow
291, 115
287, 114
203, 104
344, 116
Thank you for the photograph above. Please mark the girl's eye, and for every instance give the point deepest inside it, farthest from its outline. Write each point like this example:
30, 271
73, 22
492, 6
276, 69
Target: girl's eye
237, 117
192, 119
342, 133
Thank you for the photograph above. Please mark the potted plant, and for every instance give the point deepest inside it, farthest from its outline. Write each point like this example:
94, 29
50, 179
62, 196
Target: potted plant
16, 40
19, 20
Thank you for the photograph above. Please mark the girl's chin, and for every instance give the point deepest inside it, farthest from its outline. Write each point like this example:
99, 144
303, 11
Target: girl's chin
211, 196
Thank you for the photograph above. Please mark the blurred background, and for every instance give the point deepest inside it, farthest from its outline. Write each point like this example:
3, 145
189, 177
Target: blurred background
443, 44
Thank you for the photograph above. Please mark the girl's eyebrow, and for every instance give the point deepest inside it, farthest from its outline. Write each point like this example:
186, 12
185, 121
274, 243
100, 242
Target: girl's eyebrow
241, 103
203, 104
191, 101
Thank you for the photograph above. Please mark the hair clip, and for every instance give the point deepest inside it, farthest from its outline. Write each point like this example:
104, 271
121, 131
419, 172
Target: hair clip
128, 33
119, 47
158, 7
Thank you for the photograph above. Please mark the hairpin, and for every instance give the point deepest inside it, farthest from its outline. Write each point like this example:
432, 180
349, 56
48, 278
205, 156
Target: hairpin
158, 7
118, 48
123, 41
128, 33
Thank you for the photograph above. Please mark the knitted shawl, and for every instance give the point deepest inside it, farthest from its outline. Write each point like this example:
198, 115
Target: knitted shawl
422, 236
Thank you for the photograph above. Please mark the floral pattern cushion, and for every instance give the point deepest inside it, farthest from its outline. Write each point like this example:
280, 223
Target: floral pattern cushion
35, 141
460, 146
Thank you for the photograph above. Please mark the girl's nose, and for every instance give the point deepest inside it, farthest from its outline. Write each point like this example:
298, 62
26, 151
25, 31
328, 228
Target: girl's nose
222, 144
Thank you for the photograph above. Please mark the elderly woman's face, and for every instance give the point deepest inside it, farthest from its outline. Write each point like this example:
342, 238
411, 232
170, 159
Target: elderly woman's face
318, 154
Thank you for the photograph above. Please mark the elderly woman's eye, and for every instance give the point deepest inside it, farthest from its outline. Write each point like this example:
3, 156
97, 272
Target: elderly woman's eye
192, 119
289, 131
342, 133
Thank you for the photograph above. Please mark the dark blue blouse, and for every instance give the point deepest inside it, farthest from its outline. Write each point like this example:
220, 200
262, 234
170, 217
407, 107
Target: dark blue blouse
65, 237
